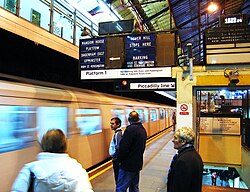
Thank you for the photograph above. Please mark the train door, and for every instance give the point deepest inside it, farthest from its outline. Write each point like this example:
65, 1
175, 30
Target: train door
153, 121
166, 117
162, 122
143, 114
90, 134
170, 117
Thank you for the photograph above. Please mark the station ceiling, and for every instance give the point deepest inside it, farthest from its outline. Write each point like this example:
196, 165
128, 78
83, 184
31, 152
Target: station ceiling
189, 18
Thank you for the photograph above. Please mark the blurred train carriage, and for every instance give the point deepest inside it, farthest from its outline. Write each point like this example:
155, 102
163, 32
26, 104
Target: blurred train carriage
27, 110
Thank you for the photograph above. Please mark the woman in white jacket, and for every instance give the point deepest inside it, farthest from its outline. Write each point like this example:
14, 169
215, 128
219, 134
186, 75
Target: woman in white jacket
54, 170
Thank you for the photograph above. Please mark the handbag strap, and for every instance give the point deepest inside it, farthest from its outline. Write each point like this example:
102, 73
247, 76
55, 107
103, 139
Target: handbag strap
32, 180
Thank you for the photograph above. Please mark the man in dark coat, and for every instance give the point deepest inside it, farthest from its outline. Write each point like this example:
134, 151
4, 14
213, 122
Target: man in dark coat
130, 154
185, 173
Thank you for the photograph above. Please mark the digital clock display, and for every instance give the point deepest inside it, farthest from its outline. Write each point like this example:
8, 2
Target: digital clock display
229, 20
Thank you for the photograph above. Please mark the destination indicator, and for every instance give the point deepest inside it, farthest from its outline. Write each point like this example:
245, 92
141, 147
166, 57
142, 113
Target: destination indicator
92, 53
140, 41
140, 51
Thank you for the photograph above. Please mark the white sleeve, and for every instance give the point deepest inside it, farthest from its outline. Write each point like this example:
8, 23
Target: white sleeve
112, 147
84, 184
22, 181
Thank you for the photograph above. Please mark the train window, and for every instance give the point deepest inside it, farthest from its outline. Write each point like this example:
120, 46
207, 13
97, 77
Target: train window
121, 114
153, 115
89, 121
88, 111
18, 127
146, 115
171, 112
127, 113
166, 113
141, 115
51, 118
161, 114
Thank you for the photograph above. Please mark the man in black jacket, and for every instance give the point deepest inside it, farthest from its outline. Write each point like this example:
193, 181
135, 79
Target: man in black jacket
130, 154
185, 173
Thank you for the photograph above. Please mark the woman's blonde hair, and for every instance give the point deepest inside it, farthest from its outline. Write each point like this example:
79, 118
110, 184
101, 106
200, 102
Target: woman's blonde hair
54, 141
185, 133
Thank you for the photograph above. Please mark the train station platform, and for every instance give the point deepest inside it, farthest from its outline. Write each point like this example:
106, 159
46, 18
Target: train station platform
157, 158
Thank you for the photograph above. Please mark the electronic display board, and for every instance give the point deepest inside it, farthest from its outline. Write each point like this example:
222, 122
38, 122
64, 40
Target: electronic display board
233, 20
140, 51
115, 27
92, 53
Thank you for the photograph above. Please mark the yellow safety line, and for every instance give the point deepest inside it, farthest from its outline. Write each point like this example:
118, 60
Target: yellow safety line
107, 168
100, 172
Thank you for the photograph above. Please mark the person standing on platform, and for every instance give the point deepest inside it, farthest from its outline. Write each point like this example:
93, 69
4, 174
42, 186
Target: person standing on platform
54, 170
214, 178
174, 121
130, 154
115, 124
185, 172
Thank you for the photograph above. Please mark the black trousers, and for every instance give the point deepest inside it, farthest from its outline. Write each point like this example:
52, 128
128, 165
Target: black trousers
116, 169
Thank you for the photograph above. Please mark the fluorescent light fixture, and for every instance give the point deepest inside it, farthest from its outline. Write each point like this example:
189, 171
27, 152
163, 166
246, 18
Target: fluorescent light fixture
118, 27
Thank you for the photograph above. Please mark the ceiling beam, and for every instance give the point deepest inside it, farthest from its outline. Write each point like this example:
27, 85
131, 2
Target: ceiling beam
155, 15
139, 10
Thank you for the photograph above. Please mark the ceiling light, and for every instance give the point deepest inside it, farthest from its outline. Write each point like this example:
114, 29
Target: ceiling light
86, 32
212, 7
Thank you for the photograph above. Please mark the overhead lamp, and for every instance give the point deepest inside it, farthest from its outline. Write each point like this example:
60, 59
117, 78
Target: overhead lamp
212, 7
86, 32
232, 75
136, 30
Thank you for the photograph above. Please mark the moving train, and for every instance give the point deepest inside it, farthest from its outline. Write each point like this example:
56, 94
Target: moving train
28, 109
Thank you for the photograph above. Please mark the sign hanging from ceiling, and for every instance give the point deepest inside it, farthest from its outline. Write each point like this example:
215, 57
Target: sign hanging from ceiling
126, 73
153, 86
92, 53
140, 51
129, 56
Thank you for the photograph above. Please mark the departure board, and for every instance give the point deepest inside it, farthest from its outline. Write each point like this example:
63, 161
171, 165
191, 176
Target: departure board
228, 35
92, 53
140, 51
127, 56
227, 45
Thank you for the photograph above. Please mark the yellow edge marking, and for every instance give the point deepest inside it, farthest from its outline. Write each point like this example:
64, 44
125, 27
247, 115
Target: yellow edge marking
106, 169
100, 172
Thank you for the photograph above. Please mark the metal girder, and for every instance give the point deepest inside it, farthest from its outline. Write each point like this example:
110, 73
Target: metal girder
155, 15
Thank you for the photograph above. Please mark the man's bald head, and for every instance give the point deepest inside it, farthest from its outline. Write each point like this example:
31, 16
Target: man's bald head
133, 117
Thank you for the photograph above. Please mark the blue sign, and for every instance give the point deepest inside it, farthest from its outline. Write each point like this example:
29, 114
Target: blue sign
92, 53
140, 51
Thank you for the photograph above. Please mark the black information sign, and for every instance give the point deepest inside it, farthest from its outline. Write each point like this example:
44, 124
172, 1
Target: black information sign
92, 53
140, 51
228, 35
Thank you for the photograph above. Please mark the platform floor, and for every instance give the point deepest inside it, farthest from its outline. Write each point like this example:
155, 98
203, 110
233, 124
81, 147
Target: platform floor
157, 158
